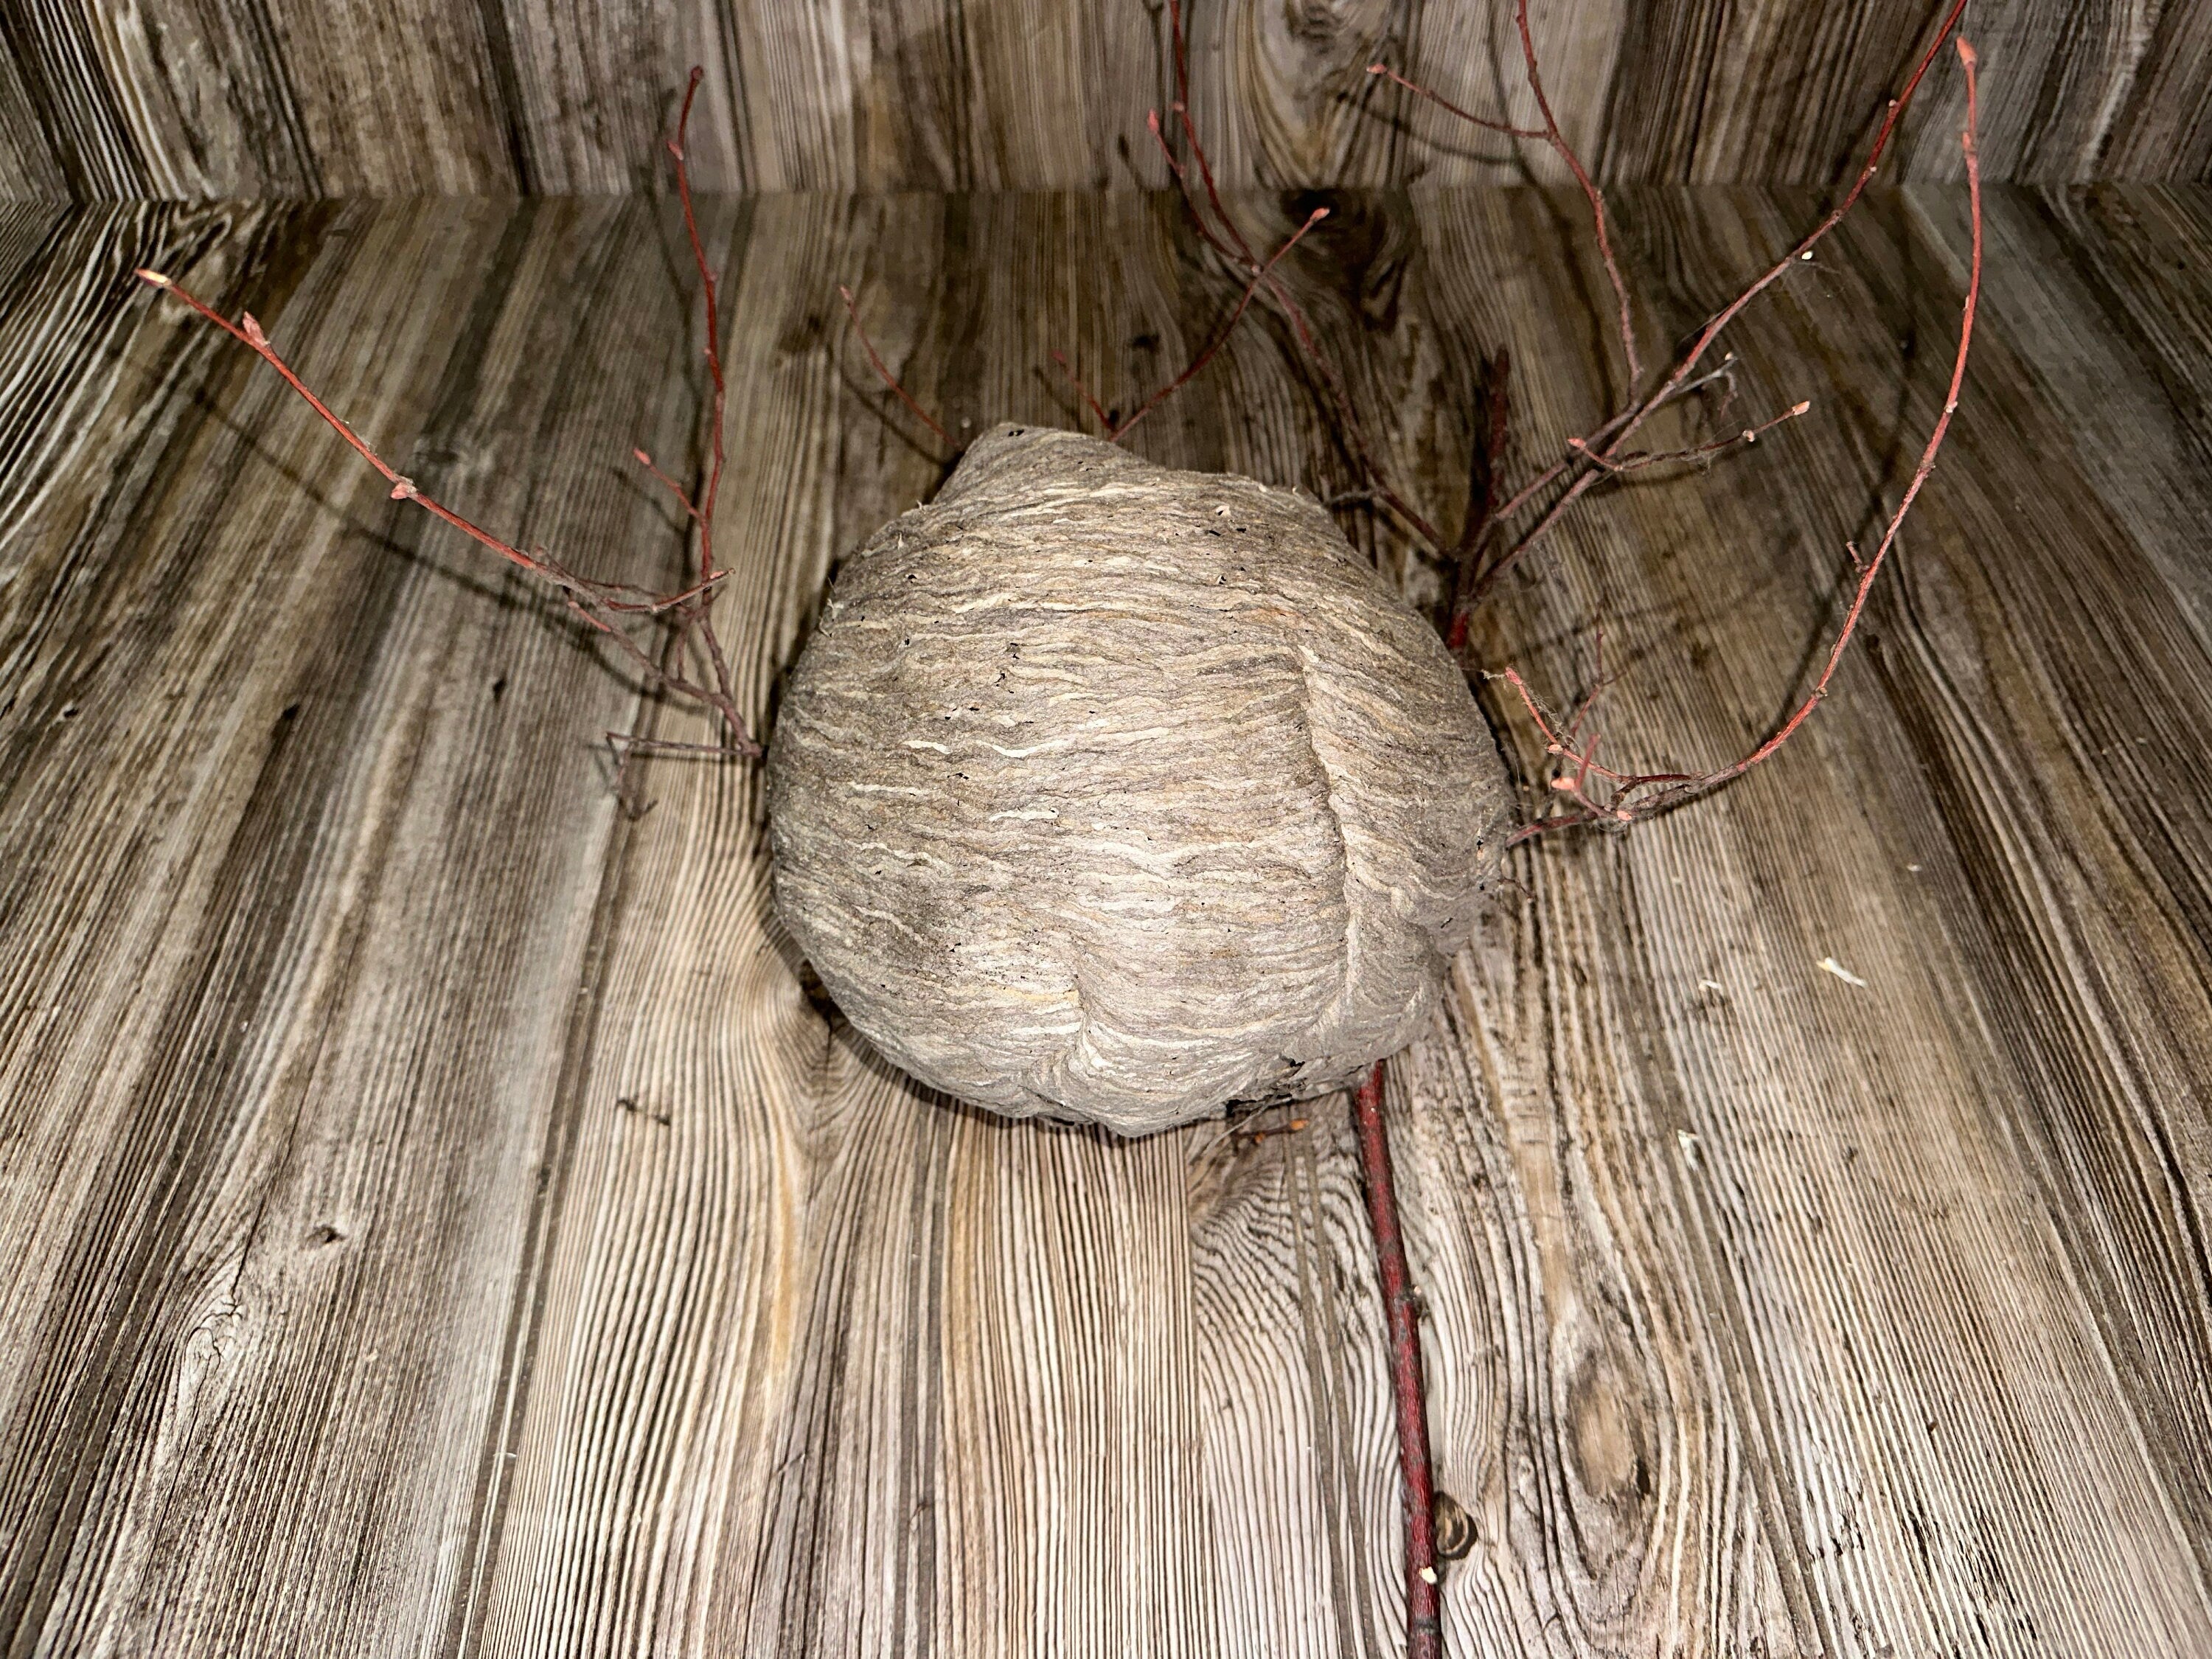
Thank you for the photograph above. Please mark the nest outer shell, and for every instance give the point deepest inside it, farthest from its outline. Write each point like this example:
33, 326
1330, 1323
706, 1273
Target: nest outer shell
1116, 793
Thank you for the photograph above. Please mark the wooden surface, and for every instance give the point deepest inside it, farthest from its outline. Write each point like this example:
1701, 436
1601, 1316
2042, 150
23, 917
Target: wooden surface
438, 1220
199, 99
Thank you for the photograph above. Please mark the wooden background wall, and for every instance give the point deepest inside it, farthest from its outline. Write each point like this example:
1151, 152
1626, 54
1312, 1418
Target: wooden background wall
125, 99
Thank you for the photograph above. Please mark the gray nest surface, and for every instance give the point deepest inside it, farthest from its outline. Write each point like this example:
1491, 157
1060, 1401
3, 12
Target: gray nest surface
1117, 794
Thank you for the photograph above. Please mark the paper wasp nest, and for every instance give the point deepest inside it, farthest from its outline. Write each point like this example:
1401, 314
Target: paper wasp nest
1116, 793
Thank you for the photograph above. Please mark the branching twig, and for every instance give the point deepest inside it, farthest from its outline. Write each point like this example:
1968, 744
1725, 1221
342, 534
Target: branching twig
604, 605
1622, 427
1590, 192
1438, 99
1221, 233
1114, 432
1638, 795
1612, 461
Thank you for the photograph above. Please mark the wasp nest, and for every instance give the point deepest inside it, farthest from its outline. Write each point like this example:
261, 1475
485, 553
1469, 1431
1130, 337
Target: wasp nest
1117, 794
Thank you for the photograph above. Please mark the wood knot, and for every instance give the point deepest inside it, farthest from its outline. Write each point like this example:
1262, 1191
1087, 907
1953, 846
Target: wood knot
1454, 1527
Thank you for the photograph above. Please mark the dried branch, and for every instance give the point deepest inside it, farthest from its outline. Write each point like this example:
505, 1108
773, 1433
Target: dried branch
1636, 795
604, 605
1402, 1307
1639, 460
704, 513
1590, 191
884, 372
1115, 433
1221, 233
1622, 427
1473, 120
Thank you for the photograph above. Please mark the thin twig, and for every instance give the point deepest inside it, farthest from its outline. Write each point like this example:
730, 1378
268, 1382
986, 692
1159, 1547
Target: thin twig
1621, 428
1590, 191
1402, 1306
1473, 120
705, 515
1231, 244
601, 605
1638, 795
1117, 433
884, 372
1639, 460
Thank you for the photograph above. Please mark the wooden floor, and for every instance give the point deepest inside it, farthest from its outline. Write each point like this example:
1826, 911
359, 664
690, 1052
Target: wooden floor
436, 1219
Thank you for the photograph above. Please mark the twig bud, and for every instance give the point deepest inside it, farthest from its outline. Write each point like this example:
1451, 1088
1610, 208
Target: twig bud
403, 489
251, 330
154, 278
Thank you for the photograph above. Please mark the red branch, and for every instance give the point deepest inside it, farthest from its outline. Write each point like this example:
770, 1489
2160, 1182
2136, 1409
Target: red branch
1424, 1604
1221, 233
704, 513
602, 604
1115, 433
1635, 795
1468, 116
1590, 191
884, 372
1621, 428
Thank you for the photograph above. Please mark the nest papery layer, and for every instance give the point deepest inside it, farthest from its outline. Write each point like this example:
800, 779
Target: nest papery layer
1115, 793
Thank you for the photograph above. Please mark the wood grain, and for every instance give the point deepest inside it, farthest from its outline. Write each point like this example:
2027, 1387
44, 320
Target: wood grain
442, 1221
238, 98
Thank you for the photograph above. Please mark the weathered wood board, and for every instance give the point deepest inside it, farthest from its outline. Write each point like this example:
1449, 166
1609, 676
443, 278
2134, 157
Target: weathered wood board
437, 1220
197, 98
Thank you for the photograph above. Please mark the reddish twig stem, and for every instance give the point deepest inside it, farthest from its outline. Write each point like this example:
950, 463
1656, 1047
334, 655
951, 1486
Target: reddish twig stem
1402, 1306
1230, 243
1640, 794
1244, 301
1590, 192
1468, 116
1618, 430
603, 605
1637, 461
884, 372
704, 513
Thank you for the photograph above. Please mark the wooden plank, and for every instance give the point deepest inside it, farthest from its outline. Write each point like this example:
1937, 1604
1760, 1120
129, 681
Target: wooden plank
29, 170
1849, 1161
1768, 1312
1646, 1349
2165, 129
221, 98
304, 840
2136, 1151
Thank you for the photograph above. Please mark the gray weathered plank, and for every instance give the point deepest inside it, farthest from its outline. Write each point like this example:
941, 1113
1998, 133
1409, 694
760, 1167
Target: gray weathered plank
221, 97
446, 1223
293, 954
